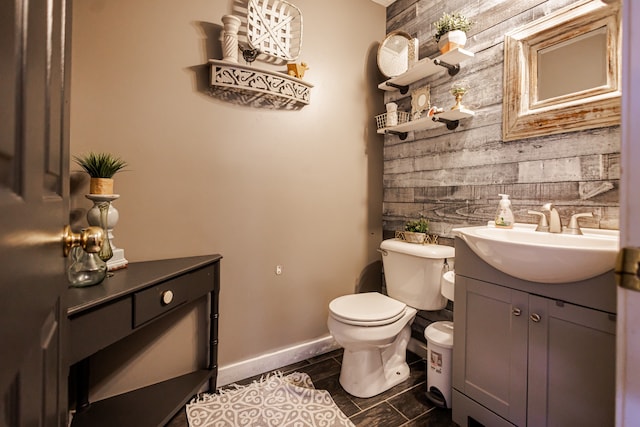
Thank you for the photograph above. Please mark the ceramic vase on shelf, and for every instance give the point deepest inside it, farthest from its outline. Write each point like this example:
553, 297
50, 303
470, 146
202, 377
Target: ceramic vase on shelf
230, 38
104, 214
458, 90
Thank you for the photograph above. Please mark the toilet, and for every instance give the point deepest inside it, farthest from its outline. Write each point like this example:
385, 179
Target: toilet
374, 329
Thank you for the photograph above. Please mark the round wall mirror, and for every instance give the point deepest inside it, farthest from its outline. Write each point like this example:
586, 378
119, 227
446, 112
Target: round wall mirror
393, 54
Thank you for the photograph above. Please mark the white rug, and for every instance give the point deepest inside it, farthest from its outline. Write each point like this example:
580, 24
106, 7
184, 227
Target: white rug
274, 401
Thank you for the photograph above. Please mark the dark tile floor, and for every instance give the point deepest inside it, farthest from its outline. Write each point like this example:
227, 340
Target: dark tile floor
404, 405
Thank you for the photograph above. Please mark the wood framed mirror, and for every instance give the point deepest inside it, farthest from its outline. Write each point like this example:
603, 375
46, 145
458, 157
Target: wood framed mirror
562, 72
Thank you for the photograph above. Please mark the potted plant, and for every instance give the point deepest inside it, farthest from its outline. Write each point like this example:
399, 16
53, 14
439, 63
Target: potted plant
415, 231
451, 31
101, 167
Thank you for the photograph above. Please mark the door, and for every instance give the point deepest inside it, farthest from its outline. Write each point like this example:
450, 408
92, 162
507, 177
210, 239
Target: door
628, 345
33, 209
571, 365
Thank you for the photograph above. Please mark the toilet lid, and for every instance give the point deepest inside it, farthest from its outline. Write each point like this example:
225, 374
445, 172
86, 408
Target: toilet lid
367, 309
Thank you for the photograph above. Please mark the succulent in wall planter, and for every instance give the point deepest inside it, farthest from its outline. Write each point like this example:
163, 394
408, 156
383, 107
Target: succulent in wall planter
101, 167
415, 231
451, 31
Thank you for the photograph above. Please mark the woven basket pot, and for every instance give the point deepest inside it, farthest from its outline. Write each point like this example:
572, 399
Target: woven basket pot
101, 186
413, 237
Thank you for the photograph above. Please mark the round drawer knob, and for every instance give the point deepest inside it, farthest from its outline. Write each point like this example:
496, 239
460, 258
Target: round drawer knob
167, 297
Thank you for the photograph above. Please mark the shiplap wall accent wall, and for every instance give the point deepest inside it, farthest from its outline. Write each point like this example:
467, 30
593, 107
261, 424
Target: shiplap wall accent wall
453, 177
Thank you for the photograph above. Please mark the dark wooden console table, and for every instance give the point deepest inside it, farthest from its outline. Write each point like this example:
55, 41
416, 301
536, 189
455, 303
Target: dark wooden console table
120, 306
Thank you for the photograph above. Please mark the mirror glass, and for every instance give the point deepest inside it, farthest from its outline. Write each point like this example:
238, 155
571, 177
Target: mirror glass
586, 53
393, 54
562, 72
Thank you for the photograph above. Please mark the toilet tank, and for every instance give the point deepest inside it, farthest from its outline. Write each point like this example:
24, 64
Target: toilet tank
413, 272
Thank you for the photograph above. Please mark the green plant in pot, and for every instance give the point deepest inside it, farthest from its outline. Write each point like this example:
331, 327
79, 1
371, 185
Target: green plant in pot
451, 31
415, 231
101, 168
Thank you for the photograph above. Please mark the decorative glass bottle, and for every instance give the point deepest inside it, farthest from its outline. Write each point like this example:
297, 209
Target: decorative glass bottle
86, 268
105, 253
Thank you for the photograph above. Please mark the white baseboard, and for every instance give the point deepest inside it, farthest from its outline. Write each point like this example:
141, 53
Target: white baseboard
229, 374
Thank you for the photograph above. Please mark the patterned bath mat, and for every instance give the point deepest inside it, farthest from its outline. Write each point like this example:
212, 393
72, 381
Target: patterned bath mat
274, 401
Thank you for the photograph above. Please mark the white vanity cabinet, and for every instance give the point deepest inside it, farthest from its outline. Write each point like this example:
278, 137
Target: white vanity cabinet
531, 354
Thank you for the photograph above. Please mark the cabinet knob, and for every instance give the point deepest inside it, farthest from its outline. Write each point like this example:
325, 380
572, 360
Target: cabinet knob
535, 317
167, 297
516, 311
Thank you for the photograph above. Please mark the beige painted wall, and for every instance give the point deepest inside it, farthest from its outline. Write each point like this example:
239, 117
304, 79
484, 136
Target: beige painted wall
302, 189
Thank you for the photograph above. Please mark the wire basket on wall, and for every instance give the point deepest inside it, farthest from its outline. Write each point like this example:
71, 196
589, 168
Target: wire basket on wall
274, 28
381, 119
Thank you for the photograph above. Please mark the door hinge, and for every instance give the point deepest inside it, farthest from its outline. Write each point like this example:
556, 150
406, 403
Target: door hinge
627, 268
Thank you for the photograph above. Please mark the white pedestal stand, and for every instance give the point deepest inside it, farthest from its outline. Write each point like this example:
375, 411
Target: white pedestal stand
93, 217
230, 38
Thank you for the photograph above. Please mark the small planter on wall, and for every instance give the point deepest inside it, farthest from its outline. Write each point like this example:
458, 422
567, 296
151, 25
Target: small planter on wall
451, 31
452, 40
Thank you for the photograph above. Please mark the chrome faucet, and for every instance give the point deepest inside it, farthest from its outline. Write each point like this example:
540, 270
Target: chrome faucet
555, 226
543, 225
574, 227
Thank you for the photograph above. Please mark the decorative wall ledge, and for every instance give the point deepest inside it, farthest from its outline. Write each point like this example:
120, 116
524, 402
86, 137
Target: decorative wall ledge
247, 85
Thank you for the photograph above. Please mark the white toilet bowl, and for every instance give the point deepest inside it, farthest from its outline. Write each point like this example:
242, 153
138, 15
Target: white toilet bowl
374, 333
375, 329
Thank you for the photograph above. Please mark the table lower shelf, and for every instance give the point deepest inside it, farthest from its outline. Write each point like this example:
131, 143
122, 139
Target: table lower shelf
152, 406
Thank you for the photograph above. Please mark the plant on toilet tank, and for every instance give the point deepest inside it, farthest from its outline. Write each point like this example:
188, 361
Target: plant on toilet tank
415, 231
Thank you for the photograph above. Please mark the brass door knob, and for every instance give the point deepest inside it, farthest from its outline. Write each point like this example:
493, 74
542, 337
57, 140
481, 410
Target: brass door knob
90, 239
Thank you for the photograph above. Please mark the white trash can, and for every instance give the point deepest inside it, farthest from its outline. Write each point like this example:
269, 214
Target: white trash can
439, 337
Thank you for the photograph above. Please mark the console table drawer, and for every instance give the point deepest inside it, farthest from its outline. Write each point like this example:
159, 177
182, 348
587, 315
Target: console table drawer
164, 297
98, 328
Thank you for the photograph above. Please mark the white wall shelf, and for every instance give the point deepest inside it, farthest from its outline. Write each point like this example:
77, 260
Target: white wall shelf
449, 118
249, 85
425, 67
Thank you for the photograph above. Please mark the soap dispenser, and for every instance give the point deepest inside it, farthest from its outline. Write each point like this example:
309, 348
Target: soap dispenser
504, 216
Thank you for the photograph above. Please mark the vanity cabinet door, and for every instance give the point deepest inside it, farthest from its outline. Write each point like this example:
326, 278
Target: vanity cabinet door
571, 365
490, 351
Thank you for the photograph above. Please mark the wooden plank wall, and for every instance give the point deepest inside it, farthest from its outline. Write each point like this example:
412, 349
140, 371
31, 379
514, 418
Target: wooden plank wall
453, 177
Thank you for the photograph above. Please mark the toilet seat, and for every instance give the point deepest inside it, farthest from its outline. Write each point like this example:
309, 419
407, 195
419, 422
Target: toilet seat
367, 309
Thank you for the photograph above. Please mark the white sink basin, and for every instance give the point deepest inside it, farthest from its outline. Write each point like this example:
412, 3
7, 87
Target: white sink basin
543, 257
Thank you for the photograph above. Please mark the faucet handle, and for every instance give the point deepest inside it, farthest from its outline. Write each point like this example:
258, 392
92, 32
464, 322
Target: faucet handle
574, 227
543, 225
